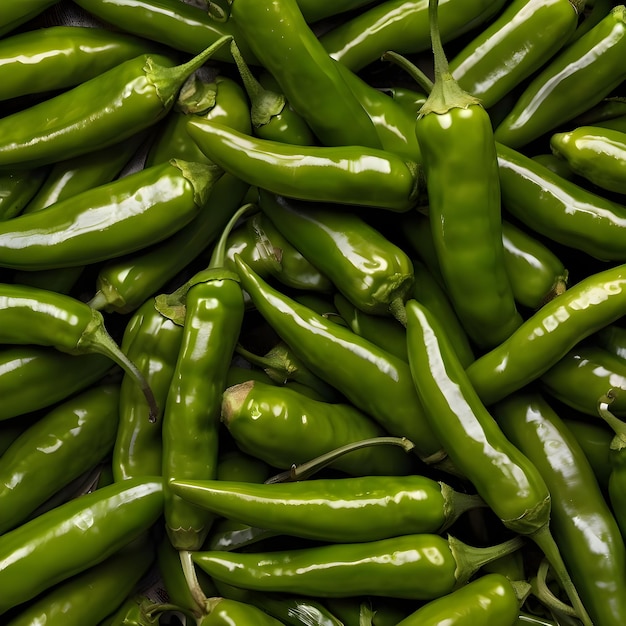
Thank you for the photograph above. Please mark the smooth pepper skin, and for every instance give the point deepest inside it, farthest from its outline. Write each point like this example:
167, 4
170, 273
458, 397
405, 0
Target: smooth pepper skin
548, 334
354, 175
227, 612
513, 46
372, 272
66, 442
560, 209
58, 57
282, 427
17, 189
364, 508
490, 600
582, 522
577, 78
74, 536
108, 221
13, 13
597, 154
375, 381
505, 478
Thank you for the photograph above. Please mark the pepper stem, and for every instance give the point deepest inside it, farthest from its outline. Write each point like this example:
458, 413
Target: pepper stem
541, 590
218, 256
545, 541
95, 338
616, 424
410, 68
470, 559
195, 589
455, 503
307, 469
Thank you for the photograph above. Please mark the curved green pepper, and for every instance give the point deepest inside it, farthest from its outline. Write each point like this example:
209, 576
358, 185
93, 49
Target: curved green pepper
281, 427
13, 13
226, 612
597, 154
343, 510
582, 523
110, 220
577, 78
372, 272
17, 189
74, 536
59, 447
354, 175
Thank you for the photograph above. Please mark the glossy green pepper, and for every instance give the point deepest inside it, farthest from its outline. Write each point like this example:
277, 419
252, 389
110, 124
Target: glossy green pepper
58, 57
367, 268
17, 189
577, 78
354, 175
281, 427
419, 567
74, 537
597, 154
15, 12
227, 612
59, 447
343, 510
107, 221
465, 218
582, 523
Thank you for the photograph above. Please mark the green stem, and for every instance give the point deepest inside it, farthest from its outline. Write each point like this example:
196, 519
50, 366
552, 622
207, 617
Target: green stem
456, 503
218, 256
307, 469
616, 424
195, 589
544, 594
410, 68
544, 539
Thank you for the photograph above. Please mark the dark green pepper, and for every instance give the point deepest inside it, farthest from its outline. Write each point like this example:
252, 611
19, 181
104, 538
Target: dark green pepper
17, 189
13, 13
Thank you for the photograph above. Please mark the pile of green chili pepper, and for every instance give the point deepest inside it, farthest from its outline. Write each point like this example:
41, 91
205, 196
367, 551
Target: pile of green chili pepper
312, 312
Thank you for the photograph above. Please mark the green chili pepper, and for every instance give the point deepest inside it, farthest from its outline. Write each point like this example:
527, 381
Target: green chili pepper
17, 188
90, 596
225, 612
281, 427
597, 154
287, 48
235, 465
10, 431
74, 537
213, 315
504, 477
99, 112
58, 57
513, 46
401, 26
583, 375
55, 450
114, 219
410, 100
559, 209
606, 111
34, 377
40, 317
465, 218
548, 334
367, 268
152, 342
16, 12
419, 567
187, 28
344, 511
263, 247
490, 600
382, 331
581, 521
577, 78
612, 337
556, 165
353, 175
375, 381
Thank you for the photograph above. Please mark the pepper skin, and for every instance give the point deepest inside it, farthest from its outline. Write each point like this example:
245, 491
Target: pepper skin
344, 511
59, 447
74, 536
97, 113
58, 57
576, 79
372, 272
559, 209
513, 46
13, 13
490, 600
548, 334
597, 154
17, 190
54, 375
107, 221
417, 567
465, 217
281, 427
582, 523
353, 175
226, 612
375, 381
